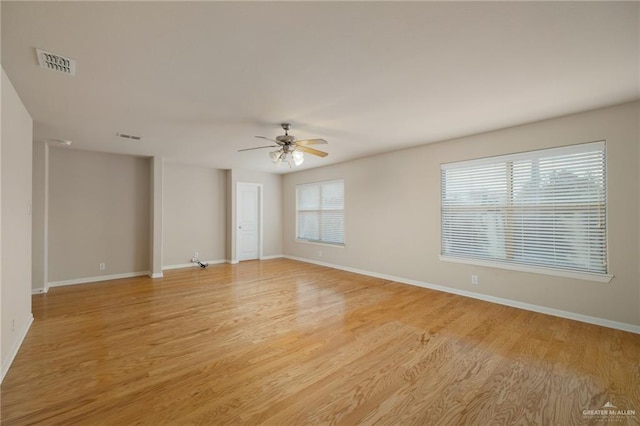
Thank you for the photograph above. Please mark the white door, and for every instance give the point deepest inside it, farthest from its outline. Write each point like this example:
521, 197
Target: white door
248, 221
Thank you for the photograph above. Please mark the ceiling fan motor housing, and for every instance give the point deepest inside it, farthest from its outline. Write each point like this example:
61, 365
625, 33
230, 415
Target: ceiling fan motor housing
286, 139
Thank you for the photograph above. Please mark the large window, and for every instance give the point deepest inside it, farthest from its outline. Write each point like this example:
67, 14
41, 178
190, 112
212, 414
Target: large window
320, 212
538, 209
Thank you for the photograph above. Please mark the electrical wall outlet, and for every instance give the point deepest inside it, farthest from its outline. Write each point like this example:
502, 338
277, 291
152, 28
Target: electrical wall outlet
103, 266
319, 253
195, 255
13, 325
474, 279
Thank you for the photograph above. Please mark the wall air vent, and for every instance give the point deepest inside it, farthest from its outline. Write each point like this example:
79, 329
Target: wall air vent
62, 142
52, 61
125, 136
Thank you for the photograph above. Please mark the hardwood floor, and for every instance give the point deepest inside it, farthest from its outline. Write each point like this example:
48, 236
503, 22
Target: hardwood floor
282, 342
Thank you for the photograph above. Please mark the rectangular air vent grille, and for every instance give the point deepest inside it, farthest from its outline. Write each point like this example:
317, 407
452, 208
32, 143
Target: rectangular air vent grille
134, 137
52, 61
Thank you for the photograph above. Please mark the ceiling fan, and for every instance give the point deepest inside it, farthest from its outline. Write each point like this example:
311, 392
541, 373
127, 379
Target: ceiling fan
289, 149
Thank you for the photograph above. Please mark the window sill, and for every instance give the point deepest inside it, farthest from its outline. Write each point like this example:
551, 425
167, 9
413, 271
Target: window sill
320, 243
587, 276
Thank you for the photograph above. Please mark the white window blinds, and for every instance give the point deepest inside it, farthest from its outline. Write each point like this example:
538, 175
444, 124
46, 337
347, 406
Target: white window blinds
320, 212
543, 208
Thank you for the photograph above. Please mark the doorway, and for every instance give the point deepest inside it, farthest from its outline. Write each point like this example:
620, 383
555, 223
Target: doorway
248, 221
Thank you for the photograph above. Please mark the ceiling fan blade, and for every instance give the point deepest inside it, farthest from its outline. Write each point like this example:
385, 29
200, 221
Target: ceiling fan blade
310, 142
259, 147
311, 151
269, 139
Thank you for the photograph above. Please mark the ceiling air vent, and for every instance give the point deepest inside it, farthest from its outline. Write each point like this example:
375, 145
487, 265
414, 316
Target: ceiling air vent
122, 135
52, 61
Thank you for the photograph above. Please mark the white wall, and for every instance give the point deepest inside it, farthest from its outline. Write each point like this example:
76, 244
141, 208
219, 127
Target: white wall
392, 208
1, 97
194, 214
16, 148
99, 212
638, 130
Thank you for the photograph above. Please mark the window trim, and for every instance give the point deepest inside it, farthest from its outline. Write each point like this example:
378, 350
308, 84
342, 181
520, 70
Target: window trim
558, 272
320, 242
524, 155
587, 276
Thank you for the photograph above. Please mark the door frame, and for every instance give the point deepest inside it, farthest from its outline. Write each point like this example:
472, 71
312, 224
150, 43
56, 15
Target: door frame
260, 188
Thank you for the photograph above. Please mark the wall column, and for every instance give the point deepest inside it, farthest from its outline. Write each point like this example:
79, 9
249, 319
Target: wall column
40, 218
157, 173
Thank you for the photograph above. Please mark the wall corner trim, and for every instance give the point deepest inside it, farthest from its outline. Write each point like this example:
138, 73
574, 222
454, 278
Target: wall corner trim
39, 290
156, 275
631, 328
14, 350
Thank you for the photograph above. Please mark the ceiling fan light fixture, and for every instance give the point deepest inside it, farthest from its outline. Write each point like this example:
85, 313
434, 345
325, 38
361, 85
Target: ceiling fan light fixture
298, 157
276, 157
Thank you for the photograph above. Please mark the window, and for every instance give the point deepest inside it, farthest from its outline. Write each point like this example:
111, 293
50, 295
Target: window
539, 209
320, 212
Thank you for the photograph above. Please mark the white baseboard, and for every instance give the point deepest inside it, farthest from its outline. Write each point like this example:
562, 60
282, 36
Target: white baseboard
499, 300
14, 349
39, 290
156, 275
275, 256
192, 265
178, 266
98, 278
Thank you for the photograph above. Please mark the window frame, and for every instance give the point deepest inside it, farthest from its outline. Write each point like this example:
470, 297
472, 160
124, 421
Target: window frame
321, 242
523, 267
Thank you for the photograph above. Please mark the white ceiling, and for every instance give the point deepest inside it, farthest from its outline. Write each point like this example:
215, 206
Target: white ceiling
197, 80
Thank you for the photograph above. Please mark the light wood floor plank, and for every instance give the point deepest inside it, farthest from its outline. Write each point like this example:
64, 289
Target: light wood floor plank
281, 342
